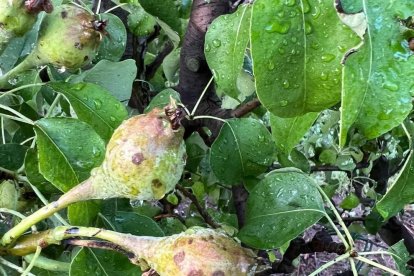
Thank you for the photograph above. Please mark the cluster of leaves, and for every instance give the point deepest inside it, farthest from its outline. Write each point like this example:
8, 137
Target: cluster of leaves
300, 58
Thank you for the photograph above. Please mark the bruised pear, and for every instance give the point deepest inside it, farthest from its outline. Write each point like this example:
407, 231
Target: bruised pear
197, 251
144, 160
68, 38
18, 16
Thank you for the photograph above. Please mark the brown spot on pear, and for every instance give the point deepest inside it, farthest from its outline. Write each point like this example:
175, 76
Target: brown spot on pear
144, 159
198, 251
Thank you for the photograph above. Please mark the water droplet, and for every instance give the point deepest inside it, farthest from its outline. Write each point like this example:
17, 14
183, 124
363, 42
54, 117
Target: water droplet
294, 39
112, 118
286, 84
283, 103
207, 48
98, 104
315, 45
324, 76
308, 27
216, 43
281, 27
281, 51
327, 57
306, 6
316, 13
290, 3
390, 86
271, 65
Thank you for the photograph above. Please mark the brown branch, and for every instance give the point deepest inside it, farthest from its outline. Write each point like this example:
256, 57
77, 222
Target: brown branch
328, 168
246, 108
152, 68
162, 216
206, 216
100, 245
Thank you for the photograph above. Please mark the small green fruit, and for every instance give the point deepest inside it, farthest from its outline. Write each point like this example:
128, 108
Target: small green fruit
69, 37
198, 251
18, 16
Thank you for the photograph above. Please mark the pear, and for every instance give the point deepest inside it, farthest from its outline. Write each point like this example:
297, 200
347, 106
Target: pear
197, 251
68, 38
18, 16
144, 160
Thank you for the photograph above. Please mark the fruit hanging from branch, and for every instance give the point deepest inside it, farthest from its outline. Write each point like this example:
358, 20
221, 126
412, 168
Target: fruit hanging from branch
197, 251
18, 16
68, 38
144, 160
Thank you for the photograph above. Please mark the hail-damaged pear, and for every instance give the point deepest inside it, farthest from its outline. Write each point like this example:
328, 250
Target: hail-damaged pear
197, 251
18, 16
144, 160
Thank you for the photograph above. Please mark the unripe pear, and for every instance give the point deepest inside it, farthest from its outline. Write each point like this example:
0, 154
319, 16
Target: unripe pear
18, 16
68, 38
197, 251
144, 160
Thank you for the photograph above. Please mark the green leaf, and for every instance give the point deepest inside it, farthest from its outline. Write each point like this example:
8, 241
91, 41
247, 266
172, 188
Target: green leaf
376, 93
287, 132
166, 11
162, 99
94, 105
84, 213
12, 156
9, 195
283, 205
101, 262
196, 150
225, 45
112, 46
137, 225
244, 147
116, 77
31, 168
401, 257
400, 192
68, 150
297, 47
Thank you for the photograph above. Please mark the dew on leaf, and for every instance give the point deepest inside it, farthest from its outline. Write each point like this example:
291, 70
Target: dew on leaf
216, 43
290, 3
390, 86
324, 76
327, 57
283, 103
98, 104
281, 27
286, 85
207, 48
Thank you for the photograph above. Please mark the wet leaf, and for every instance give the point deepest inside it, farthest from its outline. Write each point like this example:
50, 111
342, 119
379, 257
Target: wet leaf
297, 47
287, 132
401, 257
377, 89
162, 99
225, 45
283, 205
244, 147
12, 156
68, 149
94, 105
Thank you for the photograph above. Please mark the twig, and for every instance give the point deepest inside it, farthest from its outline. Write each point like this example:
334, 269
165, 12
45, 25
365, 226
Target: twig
327, 168
206, 216
100, 245
246, 108
153, 66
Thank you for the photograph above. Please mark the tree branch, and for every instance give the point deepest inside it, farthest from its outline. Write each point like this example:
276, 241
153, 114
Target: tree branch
206, 216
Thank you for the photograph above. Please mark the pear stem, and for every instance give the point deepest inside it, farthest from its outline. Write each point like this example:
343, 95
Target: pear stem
81, 192
29, 62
